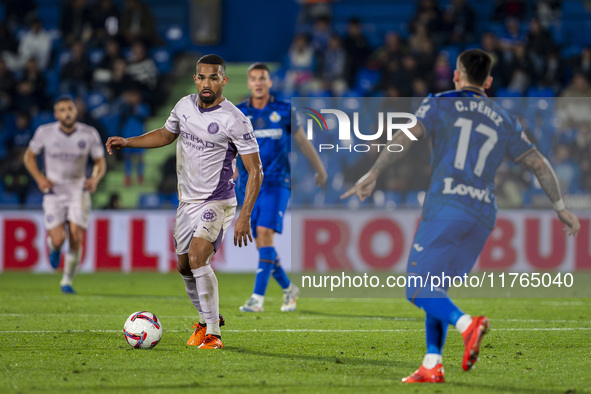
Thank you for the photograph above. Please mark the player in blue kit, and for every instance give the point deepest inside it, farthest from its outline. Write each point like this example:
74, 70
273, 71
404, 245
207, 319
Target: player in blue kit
470, 135
271, 120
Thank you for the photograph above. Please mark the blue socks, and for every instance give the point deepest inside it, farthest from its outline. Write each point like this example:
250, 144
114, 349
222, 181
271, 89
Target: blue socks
281, 276
436, 331
267, 256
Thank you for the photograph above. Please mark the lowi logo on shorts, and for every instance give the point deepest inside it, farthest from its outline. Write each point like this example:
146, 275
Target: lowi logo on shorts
391, 120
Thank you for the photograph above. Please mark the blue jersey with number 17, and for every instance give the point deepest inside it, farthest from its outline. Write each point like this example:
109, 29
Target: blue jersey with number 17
470, 135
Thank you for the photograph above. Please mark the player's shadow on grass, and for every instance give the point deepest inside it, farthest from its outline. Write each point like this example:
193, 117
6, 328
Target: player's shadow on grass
357, 316
338, 359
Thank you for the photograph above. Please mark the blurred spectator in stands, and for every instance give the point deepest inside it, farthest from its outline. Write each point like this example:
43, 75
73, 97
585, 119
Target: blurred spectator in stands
114, 202
582, 62
30, 90
420, 88
310, 11
512, 36
103, 72
509, 8
567, 170
581, 148
320, 35
392, 76
442, 73
392, 50
137, 23
490, 44
19, 12
120, 80
104, 19
14, 174
36, 44
76, 73
7, 42
572, 108
168, 182
553, 71
142, 68
417, 37
459, 23
334, 66
300, 64
509, 186
75, 23
428, 15
547, 11
521, 70
357, 47
410, 72
425, 56
133, 112
85, 117
539, 43
7, 86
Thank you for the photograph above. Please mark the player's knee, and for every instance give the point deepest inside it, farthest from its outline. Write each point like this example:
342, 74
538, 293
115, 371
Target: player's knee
265, 237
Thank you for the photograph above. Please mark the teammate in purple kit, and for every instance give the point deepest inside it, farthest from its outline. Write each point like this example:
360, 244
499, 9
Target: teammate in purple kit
66, 146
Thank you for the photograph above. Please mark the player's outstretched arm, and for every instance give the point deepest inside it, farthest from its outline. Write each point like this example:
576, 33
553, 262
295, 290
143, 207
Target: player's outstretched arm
30, 162
364, 187
542, 169
153, 139
312, 156
252, 163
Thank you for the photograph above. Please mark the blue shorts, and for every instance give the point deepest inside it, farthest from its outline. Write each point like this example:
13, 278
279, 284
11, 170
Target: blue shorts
269, 209
446, 246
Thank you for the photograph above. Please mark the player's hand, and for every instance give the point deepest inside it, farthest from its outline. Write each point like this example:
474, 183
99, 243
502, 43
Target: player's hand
45, 185
91, 184
115, 143
242, 231
320, 178
363, 187
572, 222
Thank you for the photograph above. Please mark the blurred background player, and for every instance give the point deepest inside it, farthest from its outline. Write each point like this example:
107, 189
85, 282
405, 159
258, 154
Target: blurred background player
271, 120
66, 146
212, 131
468, 147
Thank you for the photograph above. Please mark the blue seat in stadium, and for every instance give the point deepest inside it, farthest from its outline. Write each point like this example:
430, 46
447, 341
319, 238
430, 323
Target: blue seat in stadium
162, 59
573, 8
110, 122
149, 200
42, 118
505, 92
539, 92
34, 199
8, 199
367, 79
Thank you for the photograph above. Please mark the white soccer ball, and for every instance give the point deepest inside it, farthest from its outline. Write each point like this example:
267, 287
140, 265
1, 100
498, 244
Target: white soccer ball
142, 330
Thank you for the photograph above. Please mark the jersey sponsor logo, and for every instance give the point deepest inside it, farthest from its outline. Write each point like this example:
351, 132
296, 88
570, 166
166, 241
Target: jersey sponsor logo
186, 117
199, 143
269, 133
209, 216
274, 117
213, 128
64, 156
463, 190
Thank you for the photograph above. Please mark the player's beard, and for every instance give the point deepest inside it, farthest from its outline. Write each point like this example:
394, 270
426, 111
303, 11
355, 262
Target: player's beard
208, 100
68, 123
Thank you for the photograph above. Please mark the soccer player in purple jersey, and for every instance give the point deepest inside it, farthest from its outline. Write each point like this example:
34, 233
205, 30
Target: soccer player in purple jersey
470, 135
211, 131
66, 146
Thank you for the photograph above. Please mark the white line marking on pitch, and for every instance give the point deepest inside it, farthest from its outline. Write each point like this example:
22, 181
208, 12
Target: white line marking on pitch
281, 330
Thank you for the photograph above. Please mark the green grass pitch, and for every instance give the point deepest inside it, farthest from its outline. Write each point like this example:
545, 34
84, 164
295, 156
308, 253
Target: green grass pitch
52, 343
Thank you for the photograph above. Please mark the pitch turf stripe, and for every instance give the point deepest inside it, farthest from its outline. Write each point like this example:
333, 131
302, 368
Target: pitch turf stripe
281, 330
385, 318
